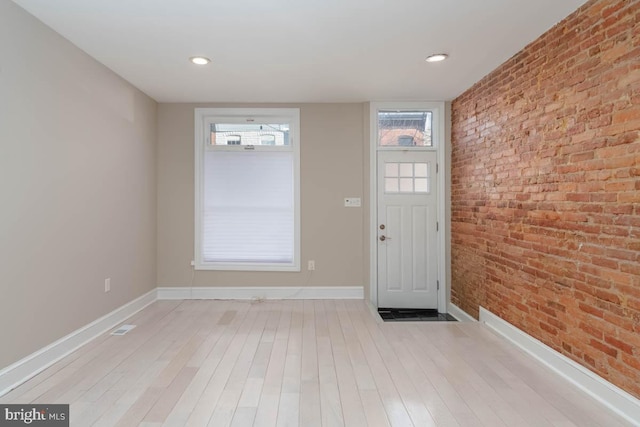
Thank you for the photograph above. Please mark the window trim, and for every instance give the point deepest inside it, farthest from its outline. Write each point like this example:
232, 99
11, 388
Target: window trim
204, 116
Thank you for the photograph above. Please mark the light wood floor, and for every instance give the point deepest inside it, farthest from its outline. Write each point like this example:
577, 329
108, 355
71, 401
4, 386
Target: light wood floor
306, 363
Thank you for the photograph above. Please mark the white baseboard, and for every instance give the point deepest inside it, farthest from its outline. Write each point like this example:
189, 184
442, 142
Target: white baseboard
28, 367
271, 292
597, 387
459, 313
174, 293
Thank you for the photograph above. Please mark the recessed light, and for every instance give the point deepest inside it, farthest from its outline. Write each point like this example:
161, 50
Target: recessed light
437, 57
199, 60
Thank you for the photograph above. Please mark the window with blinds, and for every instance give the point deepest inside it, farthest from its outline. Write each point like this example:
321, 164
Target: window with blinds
247, 189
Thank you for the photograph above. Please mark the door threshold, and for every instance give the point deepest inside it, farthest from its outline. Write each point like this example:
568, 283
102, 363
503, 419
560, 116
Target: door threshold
414, 315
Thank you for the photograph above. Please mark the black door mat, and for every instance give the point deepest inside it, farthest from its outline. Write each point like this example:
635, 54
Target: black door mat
414, 315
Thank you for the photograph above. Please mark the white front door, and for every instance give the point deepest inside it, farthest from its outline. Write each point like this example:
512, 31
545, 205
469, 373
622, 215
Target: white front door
407, 227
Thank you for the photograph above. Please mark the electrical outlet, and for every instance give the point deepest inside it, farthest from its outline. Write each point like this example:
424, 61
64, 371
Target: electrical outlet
107, 285
312, 265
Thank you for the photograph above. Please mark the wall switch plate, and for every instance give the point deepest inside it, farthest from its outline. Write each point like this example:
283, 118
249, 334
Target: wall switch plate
352, 202
107, 285
311, 265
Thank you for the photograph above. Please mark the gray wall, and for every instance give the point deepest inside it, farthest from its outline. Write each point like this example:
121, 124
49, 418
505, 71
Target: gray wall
332, 167
77, 187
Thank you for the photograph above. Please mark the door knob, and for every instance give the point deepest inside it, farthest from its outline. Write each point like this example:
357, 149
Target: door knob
383, 238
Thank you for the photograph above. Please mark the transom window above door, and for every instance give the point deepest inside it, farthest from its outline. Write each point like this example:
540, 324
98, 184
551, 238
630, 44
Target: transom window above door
405, 128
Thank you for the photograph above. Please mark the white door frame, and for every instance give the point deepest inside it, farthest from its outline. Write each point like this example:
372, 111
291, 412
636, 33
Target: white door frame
439, 131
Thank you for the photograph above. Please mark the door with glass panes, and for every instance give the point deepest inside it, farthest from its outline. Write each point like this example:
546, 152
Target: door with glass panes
406, 215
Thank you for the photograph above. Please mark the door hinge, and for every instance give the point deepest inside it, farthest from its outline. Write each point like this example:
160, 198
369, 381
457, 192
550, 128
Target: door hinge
438, 285
437, 226
436, 168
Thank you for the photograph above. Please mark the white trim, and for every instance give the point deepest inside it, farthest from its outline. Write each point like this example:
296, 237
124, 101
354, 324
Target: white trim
613, 397
439, 145
174, 293
373, 205
257, 292
374, 312
443, 292
459, 313
14, 375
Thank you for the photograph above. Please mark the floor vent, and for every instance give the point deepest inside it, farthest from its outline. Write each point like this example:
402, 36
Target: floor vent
123, 329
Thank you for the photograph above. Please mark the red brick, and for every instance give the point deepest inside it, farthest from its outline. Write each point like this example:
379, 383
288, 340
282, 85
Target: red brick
591, 310
629, 197
545, 191
604, 348
626, 116
633, 361
604, 262
591, 330
619, 344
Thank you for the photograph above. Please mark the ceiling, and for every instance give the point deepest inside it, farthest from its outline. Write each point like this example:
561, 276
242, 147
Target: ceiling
300, 50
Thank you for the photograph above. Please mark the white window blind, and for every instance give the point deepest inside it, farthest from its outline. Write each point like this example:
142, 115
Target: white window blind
248, 207
247, 193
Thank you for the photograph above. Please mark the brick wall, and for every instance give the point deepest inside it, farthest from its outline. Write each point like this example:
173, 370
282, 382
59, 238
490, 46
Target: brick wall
546, 191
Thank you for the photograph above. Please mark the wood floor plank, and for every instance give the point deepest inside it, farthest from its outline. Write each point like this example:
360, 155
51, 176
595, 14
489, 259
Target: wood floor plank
482, 385
87, 413
391, 399
139, 409
292, 365
289, 410
214, 390
310, 413
350, 399
330, 403
169, 397
191, 396
409, 396
305, 363
374, 408
243, 417
289, 403
454, 383
226, 406
362, 371
267, 410
399, 340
